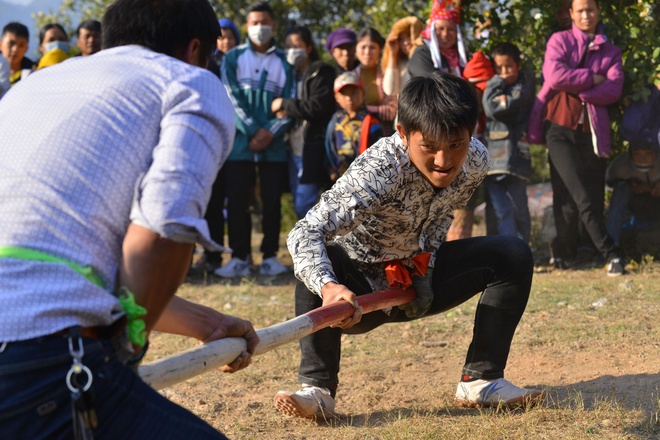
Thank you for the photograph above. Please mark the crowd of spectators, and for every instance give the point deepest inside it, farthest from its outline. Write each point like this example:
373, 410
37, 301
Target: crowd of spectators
301, 121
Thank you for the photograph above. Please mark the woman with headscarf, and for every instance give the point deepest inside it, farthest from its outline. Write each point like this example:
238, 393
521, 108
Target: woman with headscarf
442, 46
228, 39
399, 47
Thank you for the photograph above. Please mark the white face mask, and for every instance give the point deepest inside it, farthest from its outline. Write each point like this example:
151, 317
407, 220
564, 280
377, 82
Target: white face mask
260, 34
61, 45
296, 56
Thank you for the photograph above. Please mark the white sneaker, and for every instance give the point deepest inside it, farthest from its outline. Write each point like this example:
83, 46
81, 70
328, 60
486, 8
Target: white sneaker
235, 268
306, 403
481, 393
272, 267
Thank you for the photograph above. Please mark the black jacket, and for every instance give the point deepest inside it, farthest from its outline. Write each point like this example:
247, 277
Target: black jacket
314, 108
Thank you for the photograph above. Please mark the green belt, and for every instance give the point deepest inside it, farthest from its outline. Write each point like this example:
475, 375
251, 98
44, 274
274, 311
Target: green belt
20, 253
136, 326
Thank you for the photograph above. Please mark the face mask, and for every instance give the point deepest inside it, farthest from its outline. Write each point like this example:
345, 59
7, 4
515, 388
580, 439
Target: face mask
296, 56
260, 34
61, 45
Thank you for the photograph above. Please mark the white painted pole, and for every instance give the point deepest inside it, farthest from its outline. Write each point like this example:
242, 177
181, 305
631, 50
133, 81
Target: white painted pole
177, 368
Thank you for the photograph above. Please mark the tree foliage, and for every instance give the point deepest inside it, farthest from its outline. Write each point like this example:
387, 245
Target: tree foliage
630, 24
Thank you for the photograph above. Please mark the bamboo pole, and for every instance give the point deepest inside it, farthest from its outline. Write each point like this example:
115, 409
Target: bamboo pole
195, 361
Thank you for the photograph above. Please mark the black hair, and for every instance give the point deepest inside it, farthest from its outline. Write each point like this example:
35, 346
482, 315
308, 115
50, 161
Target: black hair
506, 48
49, 26
438, 106
306, 36
644, 144
90, 25
373, 35
261, 7
164, 26
16, 28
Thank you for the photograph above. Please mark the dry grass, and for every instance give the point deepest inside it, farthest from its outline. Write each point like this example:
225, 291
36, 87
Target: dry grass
592, 342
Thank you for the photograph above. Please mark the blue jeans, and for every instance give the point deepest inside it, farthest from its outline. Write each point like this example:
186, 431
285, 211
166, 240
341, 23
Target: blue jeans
508, 195
35, 402
618, 213
305, 195
499, 266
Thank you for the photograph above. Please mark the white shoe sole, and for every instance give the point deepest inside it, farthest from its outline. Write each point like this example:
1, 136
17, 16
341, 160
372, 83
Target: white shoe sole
289, 406
528, 400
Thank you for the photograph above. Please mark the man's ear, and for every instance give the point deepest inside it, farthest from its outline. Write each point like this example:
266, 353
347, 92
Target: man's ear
191, 54
402, 133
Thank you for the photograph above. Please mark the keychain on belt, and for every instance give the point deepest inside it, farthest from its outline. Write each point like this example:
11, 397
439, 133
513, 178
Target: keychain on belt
79, 381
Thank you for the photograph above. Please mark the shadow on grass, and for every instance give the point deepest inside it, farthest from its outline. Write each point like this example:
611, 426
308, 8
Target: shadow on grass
629, 391
380, 419
640, 392
383, 418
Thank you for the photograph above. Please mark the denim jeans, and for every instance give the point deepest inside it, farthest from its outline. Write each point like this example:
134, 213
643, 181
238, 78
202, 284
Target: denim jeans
305, 195
499, 266
35, 402
508, 195
618, 213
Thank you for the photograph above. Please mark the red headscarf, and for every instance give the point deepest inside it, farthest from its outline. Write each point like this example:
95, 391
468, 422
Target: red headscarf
449, 10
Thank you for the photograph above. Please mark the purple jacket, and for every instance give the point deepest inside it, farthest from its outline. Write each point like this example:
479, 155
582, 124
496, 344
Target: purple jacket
563, 53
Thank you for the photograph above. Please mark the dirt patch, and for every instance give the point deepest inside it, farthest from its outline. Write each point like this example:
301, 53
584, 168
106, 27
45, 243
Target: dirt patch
591, 342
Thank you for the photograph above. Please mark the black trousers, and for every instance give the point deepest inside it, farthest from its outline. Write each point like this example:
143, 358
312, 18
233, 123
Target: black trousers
215, 216
578, 186
240, 179
499, 266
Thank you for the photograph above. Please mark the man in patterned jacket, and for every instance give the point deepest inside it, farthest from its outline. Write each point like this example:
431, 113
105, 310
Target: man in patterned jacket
392, 208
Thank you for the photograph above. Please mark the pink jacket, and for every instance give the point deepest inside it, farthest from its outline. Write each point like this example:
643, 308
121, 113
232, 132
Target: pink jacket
563, 53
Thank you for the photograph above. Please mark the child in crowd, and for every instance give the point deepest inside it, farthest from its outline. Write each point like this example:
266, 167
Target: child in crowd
507, 102
14, 45
352, 129
393, 207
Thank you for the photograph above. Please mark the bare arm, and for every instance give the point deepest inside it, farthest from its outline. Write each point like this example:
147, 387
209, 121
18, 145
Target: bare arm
205, 324
153, 268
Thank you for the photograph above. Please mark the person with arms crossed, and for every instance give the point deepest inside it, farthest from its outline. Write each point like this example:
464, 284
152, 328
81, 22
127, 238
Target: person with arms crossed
583, 75
105, 181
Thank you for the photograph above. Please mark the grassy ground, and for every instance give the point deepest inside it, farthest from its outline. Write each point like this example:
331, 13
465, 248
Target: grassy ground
591, 342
